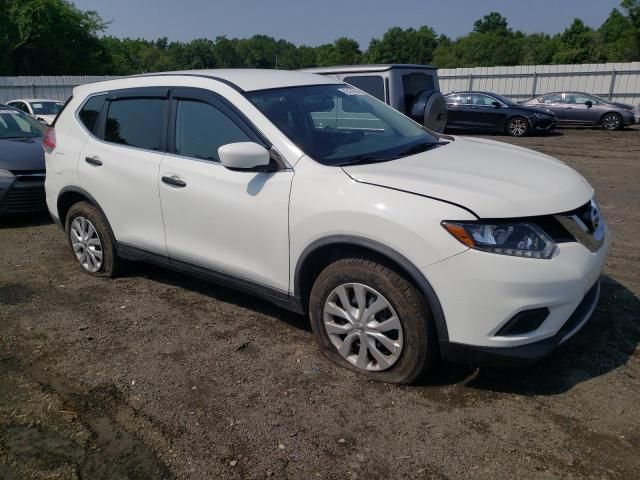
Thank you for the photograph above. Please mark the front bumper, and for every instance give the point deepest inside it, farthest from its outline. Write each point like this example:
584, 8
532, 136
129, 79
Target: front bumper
543, 124
481, 292
525, 354
22, 194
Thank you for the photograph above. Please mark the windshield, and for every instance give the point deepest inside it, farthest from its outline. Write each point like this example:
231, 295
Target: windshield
46, 108
15, 124
505, 100
340, 125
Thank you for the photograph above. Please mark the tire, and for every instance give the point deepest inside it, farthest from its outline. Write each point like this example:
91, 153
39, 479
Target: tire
611, 121
416, 337
99, 244
518, 127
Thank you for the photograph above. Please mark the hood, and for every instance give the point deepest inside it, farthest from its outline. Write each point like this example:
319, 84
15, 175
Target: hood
625, 106
492, 179
21, 154
531, 109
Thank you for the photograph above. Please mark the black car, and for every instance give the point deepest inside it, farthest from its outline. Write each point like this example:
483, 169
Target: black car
22, 167
483, 111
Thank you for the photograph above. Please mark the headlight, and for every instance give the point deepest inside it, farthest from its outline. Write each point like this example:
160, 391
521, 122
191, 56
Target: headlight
541, 115
518, 239
6, 174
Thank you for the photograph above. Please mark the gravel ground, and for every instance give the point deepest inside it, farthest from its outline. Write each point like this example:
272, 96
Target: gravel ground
156, 375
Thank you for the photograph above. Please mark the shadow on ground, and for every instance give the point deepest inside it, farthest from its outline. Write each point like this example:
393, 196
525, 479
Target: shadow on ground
27, 220
603, 345
217, 292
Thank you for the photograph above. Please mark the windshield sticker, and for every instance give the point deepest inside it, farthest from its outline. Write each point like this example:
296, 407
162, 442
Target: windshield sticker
36, 105
351, 91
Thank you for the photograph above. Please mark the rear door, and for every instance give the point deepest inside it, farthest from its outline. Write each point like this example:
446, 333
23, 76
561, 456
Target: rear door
120, 162
460, 111
578, 111
555, 103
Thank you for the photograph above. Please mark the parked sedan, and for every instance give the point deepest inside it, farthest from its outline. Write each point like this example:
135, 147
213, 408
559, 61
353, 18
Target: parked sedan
22, 169
575, 108
483, 111
42, 110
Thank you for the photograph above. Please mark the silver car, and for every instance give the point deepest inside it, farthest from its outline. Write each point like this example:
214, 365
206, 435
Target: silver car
576, 108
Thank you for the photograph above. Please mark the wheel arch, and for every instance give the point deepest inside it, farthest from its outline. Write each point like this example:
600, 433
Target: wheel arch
71, 195
320, 253
609, 112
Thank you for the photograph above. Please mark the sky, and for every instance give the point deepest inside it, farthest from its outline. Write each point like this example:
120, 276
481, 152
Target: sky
314, 22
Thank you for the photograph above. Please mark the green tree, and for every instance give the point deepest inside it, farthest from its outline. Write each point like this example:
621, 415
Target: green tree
578, 44
492, 23
51, 37
404, 46
344, 51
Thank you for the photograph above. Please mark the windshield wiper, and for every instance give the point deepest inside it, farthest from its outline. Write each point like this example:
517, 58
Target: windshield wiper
418, 148
363, 159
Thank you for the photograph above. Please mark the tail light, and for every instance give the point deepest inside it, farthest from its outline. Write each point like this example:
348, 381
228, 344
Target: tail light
49, 140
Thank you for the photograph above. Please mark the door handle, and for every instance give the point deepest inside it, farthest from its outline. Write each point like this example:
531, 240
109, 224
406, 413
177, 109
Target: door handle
174, 181
95, 161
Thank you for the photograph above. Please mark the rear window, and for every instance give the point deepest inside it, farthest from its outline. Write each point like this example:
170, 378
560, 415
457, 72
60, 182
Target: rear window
89, 113
413, 85
136, 122
373, 85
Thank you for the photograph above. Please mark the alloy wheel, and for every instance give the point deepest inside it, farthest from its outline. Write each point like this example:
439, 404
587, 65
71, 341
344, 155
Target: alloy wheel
517, 127
611, 122
86, 244
363, 326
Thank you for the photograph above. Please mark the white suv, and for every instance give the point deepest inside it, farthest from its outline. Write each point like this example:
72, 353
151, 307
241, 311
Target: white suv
403, 245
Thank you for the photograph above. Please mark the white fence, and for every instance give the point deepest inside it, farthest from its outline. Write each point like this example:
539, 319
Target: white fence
615, 81
55, 88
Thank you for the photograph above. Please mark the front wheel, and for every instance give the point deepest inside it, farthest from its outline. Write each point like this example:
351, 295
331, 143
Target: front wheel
611, 121
518, 127
370, 319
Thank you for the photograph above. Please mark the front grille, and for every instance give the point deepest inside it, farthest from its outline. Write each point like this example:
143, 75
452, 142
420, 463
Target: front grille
24, 200
585, 224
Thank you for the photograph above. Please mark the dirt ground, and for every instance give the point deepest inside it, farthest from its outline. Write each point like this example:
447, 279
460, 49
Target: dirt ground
156, 375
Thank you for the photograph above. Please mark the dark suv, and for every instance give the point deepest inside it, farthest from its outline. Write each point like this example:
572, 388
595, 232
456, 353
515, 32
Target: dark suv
576, 108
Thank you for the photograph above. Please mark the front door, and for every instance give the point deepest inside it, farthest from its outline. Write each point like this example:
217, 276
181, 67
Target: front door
232, 222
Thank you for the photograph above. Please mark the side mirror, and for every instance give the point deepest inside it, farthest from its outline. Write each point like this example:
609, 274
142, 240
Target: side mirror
589, 103
244, 156
496, 104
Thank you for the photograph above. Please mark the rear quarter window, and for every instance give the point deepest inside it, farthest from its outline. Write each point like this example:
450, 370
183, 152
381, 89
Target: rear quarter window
372, 84
88, 114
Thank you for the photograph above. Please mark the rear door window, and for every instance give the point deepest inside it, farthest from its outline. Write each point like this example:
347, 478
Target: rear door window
135, 122
372, 84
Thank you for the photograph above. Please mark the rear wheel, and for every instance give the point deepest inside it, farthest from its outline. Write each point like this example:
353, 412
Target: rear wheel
611, 121
518, 127
370, 319
91, 240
